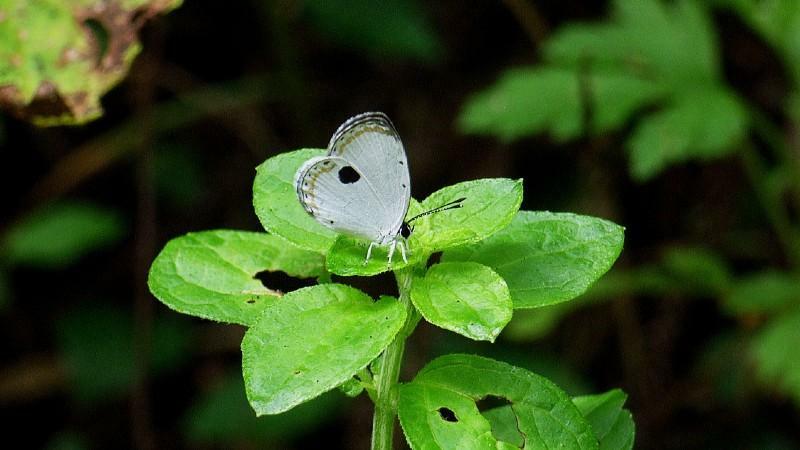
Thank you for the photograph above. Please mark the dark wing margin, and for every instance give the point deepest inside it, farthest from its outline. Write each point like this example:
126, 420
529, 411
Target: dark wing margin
376, 121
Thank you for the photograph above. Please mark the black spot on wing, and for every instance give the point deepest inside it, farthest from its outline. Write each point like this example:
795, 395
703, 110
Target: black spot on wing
348, 175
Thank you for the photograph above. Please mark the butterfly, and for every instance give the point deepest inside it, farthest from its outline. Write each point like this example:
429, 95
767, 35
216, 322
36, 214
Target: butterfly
362, 186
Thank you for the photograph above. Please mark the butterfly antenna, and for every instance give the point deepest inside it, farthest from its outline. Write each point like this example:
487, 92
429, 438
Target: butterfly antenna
450, 205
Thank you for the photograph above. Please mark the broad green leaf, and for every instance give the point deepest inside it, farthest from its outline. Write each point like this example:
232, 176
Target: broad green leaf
278, 208
96, 345
390, 28
706, 123
488, 207
211, 274
766, 293
524, 102
58, 234
613, 426
313, 340
465, 297
438, 408
222, 417
777, 364
545, 257
59, 57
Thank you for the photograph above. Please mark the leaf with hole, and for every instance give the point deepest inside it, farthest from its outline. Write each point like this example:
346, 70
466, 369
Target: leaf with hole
313, 340
439, 407
465, 297
212, 274
547, 258
278, 208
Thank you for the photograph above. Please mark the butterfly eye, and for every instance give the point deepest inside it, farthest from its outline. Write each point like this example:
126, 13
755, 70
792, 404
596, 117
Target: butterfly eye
405, 230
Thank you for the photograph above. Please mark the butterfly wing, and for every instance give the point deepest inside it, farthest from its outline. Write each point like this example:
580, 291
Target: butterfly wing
362, 187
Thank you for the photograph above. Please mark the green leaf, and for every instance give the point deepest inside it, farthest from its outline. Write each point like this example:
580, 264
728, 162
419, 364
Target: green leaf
211, 274
545, 257
56, 235
767, 292
465, 297
488, 207
391, 28
504, 425
59, 57
278, 208
532, 324
646, 38
613, 426
313, 340
699, 268
706, 123
524, 102
97, 349
617, 96
222, 416
777, 365
438, 408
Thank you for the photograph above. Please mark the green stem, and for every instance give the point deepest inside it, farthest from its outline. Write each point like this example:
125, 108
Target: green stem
775, 212
389, 370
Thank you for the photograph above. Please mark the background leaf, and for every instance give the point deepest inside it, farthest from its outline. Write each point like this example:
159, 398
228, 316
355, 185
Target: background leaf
97, 350
212, 274
546, 257
58, 234
313, 340
278, 208
467, 298
438, 406
777, 365
222, 416
390, 28
767, 292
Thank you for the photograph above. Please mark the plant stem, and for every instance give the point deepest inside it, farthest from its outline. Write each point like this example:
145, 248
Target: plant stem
389, 370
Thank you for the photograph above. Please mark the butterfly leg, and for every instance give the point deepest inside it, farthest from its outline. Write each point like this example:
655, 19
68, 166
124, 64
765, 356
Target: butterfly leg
402, 246
391, 253
369, 252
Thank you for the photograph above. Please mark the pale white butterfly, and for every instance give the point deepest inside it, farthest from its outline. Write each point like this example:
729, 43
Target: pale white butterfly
362, 187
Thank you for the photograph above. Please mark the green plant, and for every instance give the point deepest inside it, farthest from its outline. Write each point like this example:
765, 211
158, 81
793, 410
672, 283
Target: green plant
656, 67
301, 344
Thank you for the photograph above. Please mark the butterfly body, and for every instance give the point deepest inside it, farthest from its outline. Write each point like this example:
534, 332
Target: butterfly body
361, 187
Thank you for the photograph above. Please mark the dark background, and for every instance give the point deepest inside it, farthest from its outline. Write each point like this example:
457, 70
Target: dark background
304, 81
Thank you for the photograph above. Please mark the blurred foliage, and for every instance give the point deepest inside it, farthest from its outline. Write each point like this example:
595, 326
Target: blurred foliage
650, 54
222, 416
97, 346
59, 57
56, 235
385, 29
773, 349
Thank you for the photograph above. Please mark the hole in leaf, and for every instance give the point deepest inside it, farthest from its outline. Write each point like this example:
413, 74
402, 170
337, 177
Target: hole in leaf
279, 281
100, 38
251, 300
374, 286
491, 402
435, 258
447, 414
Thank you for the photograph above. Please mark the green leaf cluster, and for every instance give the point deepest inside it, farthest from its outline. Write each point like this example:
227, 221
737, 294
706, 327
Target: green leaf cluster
650, 56
303, 343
